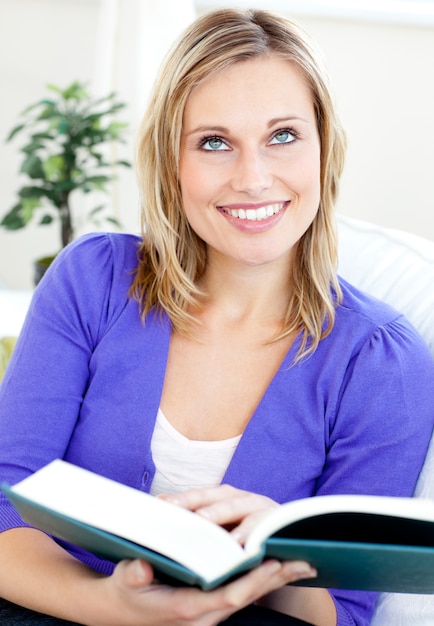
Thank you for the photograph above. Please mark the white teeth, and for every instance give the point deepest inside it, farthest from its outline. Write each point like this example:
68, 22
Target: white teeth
256, 214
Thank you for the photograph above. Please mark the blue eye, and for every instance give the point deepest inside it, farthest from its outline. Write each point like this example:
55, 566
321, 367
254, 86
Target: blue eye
282, 137
213, 144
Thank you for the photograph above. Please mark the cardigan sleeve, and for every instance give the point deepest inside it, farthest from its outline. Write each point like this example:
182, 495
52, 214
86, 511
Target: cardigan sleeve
380, 430
46, 380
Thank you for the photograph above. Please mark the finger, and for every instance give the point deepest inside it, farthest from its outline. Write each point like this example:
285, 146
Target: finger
224, 505
242, 508
235, 508
190, 605
270, 576
193, 499
241, 532
133, 574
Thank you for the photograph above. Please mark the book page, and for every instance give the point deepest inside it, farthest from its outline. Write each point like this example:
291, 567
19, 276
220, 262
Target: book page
286, 514
177, 533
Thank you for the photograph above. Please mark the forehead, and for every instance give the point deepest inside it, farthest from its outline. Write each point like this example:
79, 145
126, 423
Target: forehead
263, 85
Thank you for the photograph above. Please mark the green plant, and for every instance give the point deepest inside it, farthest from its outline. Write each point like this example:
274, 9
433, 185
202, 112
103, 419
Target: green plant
63, 155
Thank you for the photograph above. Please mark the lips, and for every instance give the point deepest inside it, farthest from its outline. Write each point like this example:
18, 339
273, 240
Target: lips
256, 214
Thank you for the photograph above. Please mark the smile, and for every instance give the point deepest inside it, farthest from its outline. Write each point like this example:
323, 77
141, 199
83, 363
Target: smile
256, 215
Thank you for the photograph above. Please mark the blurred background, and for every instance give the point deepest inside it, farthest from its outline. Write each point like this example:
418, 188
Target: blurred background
379, 54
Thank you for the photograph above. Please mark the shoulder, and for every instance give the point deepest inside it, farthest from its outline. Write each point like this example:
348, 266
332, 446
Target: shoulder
365, 324
94, 262
366, 308
361, 314
89, 281
120, 248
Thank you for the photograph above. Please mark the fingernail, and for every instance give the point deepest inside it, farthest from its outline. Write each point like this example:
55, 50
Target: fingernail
274, 567
235, 534
206, 513
174, 500
305, 571
140, 574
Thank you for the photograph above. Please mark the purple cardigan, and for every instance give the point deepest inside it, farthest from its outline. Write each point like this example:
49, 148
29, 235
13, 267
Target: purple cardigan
85, 381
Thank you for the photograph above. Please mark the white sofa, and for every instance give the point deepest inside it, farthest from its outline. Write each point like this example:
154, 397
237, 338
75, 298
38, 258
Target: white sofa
393, 265
399, 268
13, 309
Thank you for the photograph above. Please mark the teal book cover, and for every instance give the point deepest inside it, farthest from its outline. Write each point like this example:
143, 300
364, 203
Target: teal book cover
354, 542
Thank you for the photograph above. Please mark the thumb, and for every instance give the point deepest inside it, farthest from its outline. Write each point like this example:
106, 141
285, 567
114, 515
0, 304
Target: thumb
134, 574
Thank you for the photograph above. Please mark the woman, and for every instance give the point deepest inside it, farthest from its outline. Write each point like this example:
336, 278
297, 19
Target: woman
219, 348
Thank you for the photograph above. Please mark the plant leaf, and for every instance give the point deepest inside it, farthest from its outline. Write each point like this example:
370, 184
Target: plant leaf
32, 192
32, 166
65, 186
63, 126
97, 182
32, 147
75, 91
13, 220
46, 219
28, 207
66, 129
97, 209
43, 135
54, 167
114, 221
35, 105
14, 131
115, 129
52, 87
48, 113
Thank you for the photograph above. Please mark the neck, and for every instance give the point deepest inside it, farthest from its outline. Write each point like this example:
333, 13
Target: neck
246, 294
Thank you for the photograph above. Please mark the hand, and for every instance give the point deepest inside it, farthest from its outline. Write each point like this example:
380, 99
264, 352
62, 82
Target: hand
140, 601
226, 506
133, 600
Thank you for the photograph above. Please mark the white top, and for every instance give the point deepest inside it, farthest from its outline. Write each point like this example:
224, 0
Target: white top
182, 463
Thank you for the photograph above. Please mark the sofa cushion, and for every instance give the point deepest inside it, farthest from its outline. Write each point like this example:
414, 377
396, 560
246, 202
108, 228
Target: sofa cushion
394, 266
7, 344
13, 309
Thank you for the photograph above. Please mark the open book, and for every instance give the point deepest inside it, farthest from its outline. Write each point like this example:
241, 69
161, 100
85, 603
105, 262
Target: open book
354, 541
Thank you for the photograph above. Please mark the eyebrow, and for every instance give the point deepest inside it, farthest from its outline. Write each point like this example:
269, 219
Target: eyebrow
210, 128
288, 118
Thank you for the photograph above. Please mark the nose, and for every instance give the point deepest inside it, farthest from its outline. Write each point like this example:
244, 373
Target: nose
251, 173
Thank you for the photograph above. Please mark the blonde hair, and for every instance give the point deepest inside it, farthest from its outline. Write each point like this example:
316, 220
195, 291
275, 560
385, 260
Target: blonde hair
172, 257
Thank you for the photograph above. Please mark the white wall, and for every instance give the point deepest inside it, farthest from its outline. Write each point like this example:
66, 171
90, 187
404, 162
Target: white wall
41, 41
383, 80
385, 92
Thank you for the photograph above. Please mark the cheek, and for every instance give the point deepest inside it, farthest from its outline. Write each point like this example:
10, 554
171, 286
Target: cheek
195, 199
199, 189
190, 199
191, 180
184, 179
310, 176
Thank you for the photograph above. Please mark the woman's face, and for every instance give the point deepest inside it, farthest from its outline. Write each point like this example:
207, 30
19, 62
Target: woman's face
250, 161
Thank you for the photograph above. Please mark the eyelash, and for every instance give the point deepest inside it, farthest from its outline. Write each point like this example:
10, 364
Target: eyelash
207, 138
291, 131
